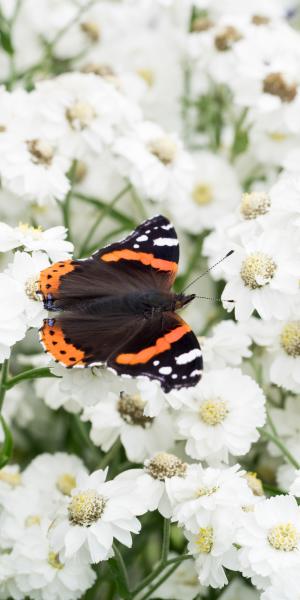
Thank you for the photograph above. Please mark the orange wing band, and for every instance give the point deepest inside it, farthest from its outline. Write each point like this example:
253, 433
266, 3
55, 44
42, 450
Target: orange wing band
161, 345
53, 340
143, 257
49, 280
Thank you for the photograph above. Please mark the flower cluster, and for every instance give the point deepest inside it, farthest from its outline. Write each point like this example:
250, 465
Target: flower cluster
111, 112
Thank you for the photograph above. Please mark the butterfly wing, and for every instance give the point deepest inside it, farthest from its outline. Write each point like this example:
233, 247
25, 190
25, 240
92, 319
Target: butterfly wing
146, 259
163, 349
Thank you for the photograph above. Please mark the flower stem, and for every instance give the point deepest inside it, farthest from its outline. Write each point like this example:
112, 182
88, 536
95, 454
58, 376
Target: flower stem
164, 577
115, 214
110, 455
120, 572
277, 441
105, 211
28, 374
165, 541
3, 382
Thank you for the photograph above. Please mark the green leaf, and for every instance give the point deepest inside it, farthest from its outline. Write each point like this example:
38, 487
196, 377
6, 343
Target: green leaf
241, 142
7, 447
5, 38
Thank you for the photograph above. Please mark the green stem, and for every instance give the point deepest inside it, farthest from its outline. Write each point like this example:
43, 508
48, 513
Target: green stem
108, 457
83, 435
162, 579
276, 440
29, 374
116, 214
3, 388
272, 489
165, 541
122, 576
105, 211
106, 238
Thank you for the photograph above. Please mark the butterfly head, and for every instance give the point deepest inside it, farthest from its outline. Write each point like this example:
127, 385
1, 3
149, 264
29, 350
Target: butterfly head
182, 299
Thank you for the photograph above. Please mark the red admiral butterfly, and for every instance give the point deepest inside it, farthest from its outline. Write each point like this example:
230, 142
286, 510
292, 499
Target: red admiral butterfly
116, 308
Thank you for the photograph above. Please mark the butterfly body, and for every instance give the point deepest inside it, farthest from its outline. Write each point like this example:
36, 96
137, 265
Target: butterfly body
117, 308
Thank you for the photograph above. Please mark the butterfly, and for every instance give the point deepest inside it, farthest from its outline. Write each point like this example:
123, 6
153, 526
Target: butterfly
117, 309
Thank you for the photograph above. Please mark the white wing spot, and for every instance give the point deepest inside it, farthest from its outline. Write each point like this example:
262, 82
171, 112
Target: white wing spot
196, 372
148, 231
167, 227
156, 362
165, 370
165, 242
174, 376
136, 245
187, 357
184, 377
142, 238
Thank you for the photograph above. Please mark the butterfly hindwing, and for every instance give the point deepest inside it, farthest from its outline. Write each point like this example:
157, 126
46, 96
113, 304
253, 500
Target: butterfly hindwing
171, 355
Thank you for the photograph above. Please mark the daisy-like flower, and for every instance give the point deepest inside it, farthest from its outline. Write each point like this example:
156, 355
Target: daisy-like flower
269, 537
34, 168
220, 416
214, 191
227, 346
54, 474
203, 490
155, 162
262, 275
124, 417
12, 324
150, 482
212, 548
96, 513
284, 585
52, 241
83, 112
42, 575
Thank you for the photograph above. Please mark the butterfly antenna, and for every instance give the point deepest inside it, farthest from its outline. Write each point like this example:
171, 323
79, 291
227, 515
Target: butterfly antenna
213, 299
207, 271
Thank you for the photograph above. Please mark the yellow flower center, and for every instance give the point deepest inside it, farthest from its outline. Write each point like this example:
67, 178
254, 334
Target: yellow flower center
202, 194
213, 412
66, 483
206, 491
290, 338
32, 520
164, 149
277, 136
53, 560
86, 507
254, 483
41, 152
205, 540
260, 20
12, 479
257, 266
227, 38
80, 115
284, 537
255, 204
147, 75
32, 288
165, 465
201, 24
131, 409
275, 84
92, 30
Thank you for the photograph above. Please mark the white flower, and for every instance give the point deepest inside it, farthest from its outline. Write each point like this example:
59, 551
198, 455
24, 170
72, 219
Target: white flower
212, 548
270, 536
213, 192
33, 168
284, 585
150, 482
238, 589
203, 490
155, 162
124, 417
12, 323
23, 269
262, 275
227, 346
42, 575
221, 415
83, 112
54, 474
97, 512
52, 241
